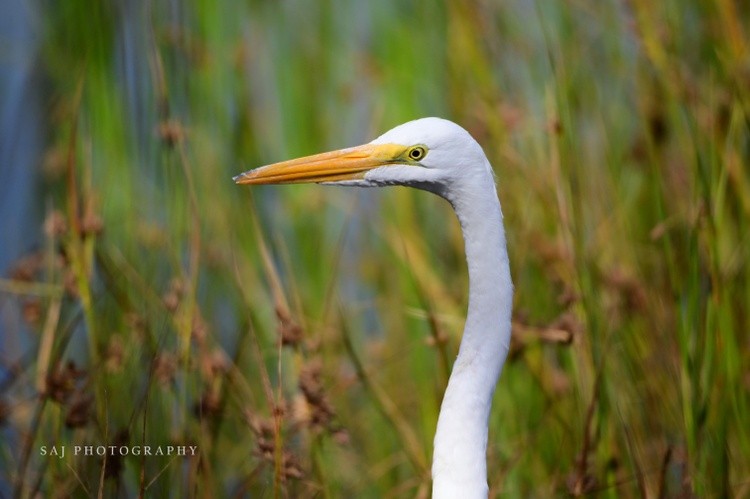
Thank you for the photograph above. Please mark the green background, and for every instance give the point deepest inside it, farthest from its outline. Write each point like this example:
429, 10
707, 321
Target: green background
157, 295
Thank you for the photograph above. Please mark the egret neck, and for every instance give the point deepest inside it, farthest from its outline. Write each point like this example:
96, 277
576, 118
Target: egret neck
459, 468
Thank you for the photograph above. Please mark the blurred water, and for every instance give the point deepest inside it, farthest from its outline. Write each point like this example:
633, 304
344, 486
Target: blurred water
21, 146
21, 149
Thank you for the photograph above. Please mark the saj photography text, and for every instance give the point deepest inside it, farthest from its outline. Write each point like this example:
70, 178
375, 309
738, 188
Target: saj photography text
60, 451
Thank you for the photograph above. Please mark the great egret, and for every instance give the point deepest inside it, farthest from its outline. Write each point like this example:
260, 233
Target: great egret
439, 156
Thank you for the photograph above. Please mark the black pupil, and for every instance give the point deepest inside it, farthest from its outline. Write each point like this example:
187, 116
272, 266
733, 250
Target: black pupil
416, 153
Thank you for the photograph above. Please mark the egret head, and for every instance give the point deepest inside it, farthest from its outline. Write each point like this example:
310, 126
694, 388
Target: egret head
430, 153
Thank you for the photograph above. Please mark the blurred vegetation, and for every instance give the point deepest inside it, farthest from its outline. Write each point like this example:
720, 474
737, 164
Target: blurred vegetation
300, 336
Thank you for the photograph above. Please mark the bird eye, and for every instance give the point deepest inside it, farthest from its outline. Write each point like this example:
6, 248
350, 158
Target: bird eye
417, 152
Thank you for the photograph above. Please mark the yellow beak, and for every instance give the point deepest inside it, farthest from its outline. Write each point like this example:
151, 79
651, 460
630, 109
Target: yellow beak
344, 164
